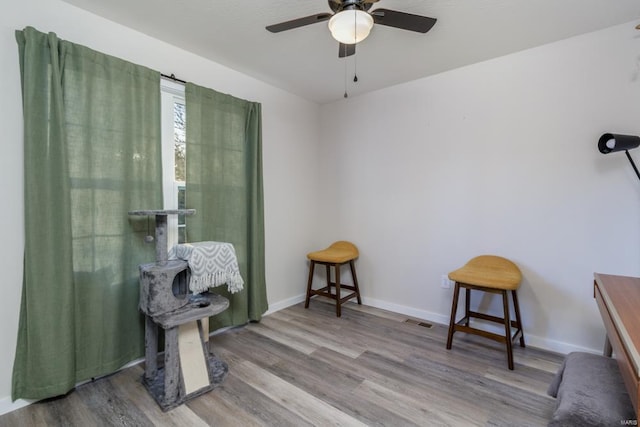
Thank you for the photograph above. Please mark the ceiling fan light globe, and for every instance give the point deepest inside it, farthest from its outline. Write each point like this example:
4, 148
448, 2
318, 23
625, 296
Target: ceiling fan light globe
350, 26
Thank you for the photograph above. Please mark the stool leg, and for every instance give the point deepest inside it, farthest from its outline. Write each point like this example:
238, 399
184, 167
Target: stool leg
355, 281
467, 305
507, 328
336, 267
516, 308
452, 322
328, 278
311, 268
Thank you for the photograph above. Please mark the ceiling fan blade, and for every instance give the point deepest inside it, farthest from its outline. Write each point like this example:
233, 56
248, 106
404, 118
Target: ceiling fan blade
345, 50
300, 22
403, 20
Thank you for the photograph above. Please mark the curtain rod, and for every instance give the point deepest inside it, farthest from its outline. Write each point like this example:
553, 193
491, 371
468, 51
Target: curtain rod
172, 77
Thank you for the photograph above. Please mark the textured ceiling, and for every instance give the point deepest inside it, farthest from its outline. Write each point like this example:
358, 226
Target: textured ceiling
305, 60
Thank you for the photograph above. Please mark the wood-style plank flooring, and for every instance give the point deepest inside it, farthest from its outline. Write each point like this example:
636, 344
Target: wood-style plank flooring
305, 367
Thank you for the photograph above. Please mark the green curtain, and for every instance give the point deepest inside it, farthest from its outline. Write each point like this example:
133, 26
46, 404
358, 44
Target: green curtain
224, 185
91, 153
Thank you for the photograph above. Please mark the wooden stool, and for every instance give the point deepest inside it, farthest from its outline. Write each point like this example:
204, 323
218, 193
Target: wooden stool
493, 274
336, 255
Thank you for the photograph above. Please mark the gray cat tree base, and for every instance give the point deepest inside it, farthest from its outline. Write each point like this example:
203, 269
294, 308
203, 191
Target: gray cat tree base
189, 368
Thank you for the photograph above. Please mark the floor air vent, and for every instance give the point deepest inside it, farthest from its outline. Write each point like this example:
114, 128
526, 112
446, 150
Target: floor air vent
419, 323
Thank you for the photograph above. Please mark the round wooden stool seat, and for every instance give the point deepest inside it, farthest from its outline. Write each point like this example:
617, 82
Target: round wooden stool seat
338, 253
489, 271
492, 274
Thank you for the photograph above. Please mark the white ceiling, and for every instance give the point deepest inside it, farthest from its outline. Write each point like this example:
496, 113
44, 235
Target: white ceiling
305, 60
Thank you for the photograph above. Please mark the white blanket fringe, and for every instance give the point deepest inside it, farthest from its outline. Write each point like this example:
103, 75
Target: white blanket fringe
212, 264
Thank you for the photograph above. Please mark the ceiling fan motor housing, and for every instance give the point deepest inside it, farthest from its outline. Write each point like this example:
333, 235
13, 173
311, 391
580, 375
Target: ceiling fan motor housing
339, 5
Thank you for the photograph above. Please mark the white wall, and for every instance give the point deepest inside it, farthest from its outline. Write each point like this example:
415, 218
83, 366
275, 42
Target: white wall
290, 134
498, 157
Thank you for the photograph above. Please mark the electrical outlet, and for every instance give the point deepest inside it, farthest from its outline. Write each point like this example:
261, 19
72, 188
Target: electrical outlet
445, 283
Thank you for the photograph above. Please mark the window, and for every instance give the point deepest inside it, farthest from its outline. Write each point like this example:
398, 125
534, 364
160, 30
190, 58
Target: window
174, 158
180, 162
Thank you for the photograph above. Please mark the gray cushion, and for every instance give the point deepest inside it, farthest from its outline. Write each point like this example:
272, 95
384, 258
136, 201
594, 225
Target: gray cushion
590, 392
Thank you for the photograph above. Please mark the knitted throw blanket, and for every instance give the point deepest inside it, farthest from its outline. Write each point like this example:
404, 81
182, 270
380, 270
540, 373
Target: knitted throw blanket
212, 264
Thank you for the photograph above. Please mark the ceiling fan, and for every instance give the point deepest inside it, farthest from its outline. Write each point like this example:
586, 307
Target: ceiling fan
351, 22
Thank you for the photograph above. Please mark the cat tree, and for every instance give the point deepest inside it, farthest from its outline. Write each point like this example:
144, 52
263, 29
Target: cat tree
189, 368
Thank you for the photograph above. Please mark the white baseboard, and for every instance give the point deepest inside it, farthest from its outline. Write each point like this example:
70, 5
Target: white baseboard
531, 340
409, 311
280, 305
6, 405
557, 346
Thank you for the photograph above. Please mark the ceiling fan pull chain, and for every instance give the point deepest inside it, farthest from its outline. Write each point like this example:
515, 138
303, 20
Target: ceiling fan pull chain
345, 75
355, 58
355, 68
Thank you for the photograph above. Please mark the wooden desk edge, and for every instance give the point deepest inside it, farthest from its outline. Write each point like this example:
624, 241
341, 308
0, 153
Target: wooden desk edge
618, 338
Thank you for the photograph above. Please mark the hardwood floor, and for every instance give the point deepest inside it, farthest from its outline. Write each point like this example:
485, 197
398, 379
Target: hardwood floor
308, 368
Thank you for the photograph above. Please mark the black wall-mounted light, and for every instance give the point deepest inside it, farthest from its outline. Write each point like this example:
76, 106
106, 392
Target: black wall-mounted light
611, 142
